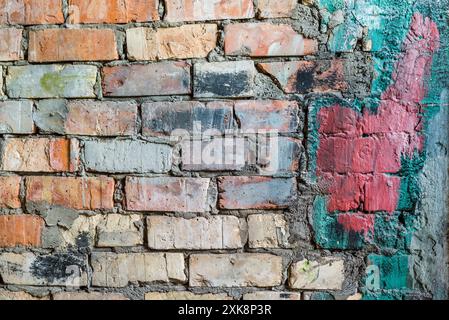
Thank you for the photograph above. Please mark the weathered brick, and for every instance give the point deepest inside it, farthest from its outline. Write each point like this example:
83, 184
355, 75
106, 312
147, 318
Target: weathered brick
27, 12
20, 230
255, 192
88, 296
9, 192
40, 155
19, 296
224, 79
381, 193
51, 81
267, 231
116, 230
86, 117
59, 269
279, 154
327, 274
1, 83
157, 79
113, 11
166, 194
361, 154
127, 156
258, 115
266, 40
188, 41
272, 295
276, 8
10, 44
218, 154
307, 76
217, 232
117, 270
104, 230
88, 193
16, 117
163, 118
235, 270
201, 10
185, 295
49, 45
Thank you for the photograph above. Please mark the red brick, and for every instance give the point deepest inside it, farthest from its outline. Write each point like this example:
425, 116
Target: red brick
113, 11
11, 44
307, 76
266, 40
27, 12
381, 193
255, 115
166, 194
339, 120
203, 10
9, 192
255, 192
20, 230
157, 79
40, 155
87, 193
345, 191
72, 45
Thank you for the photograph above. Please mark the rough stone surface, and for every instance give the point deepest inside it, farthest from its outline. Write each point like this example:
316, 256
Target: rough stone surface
9, 192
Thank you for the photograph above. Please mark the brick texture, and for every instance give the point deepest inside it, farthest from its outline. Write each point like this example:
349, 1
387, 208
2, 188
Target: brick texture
223, 150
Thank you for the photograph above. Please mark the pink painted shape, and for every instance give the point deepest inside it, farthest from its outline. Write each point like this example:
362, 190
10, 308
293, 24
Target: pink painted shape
353, 166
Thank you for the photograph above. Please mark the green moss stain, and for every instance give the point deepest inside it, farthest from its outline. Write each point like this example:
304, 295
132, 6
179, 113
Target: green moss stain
53, 82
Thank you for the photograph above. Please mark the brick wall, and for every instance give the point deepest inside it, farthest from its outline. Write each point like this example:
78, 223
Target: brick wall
239, 149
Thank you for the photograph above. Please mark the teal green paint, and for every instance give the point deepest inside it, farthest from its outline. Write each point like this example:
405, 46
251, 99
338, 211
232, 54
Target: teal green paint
393, 271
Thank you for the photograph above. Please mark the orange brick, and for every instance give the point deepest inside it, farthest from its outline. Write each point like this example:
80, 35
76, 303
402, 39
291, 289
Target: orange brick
20, 230
9, 192
113, 11
40, 155
11, 44
72, 45
266, 40
203, 10
27, 12
188, 41
88, 193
